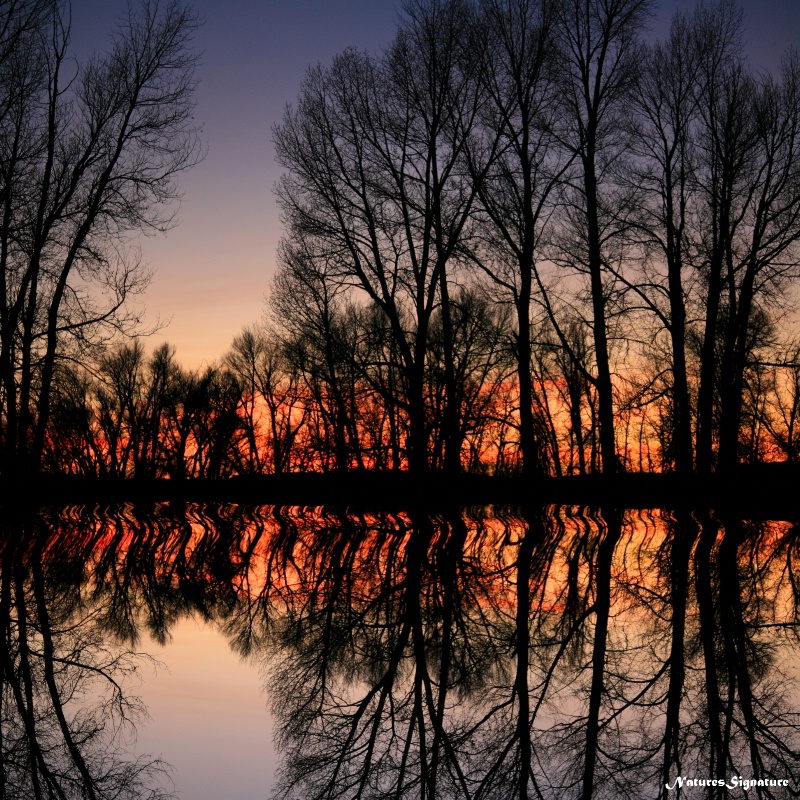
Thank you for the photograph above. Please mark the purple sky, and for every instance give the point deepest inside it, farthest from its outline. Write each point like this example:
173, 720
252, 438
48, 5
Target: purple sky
212, 272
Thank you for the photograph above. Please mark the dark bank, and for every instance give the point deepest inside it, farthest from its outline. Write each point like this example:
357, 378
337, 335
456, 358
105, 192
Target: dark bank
761, 491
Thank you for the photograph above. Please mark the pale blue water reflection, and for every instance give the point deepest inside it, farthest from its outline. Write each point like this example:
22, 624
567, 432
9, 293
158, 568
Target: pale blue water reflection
208, 716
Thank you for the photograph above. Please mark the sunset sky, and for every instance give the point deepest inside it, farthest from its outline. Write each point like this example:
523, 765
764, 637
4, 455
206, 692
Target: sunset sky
212, 272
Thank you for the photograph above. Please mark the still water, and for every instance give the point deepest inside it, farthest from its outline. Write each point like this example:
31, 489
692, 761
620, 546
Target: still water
207, 651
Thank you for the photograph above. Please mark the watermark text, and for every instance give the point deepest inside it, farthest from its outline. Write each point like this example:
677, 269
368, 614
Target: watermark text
735, 782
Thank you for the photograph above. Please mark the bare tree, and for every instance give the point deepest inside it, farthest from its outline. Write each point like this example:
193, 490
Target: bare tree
781, 417
666, 108
322, 336
517, 169
599, 55
88, 157
270, 387
764, 239
374, 151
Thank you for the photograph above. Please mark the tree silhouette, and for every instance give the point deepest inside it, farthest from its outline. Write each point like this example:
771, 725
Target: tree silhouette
87, 158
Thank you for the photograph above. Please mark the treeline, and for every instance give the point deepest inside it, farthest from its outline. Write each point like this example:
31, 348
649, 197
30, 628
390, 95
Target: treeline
276, 405
635, 207
520, 238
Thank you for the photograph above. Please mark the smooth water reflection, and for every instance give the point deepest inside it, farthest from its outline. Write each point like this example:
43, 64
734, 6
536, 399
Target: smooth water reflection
208, 716
496, 654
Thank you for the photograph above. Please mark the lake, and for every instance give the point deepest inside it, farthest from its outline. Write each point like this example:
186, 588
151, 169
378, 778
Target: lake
227, 651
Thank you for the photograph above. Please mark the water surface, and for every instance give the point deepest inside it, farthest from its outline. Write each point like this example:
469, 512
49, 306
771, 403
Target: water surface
484, 653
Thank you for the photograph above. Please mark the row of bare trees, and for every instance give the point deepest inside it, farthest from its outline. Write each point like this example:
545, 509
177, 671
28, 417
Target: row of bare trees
521, 238
326, 401
637, 206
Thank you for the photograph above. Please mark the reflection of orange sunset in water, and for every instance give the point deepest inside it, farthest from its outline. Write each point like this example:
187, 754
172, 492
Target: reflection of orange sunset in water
363, 631
371, 549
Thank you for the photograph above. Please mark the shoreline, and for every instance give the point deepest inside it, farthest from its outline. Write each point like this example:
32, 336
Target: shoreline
750, 488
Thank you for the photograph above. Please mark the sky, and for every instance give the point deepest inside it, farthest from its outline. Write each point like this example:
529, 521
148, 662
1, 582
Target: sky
212, 271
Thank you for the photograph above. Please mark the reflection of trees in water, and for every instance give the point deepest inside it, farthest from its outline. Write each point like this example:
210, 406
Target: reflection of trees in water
566, 655
560, 654
67, 718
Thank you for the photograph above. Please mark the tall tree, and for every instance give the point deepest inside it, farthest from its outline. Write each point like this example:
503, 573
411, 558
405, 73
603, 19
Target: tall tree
321, 340
599, 56
765, 242
87, 158
665, 110
374, 151
516, 169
